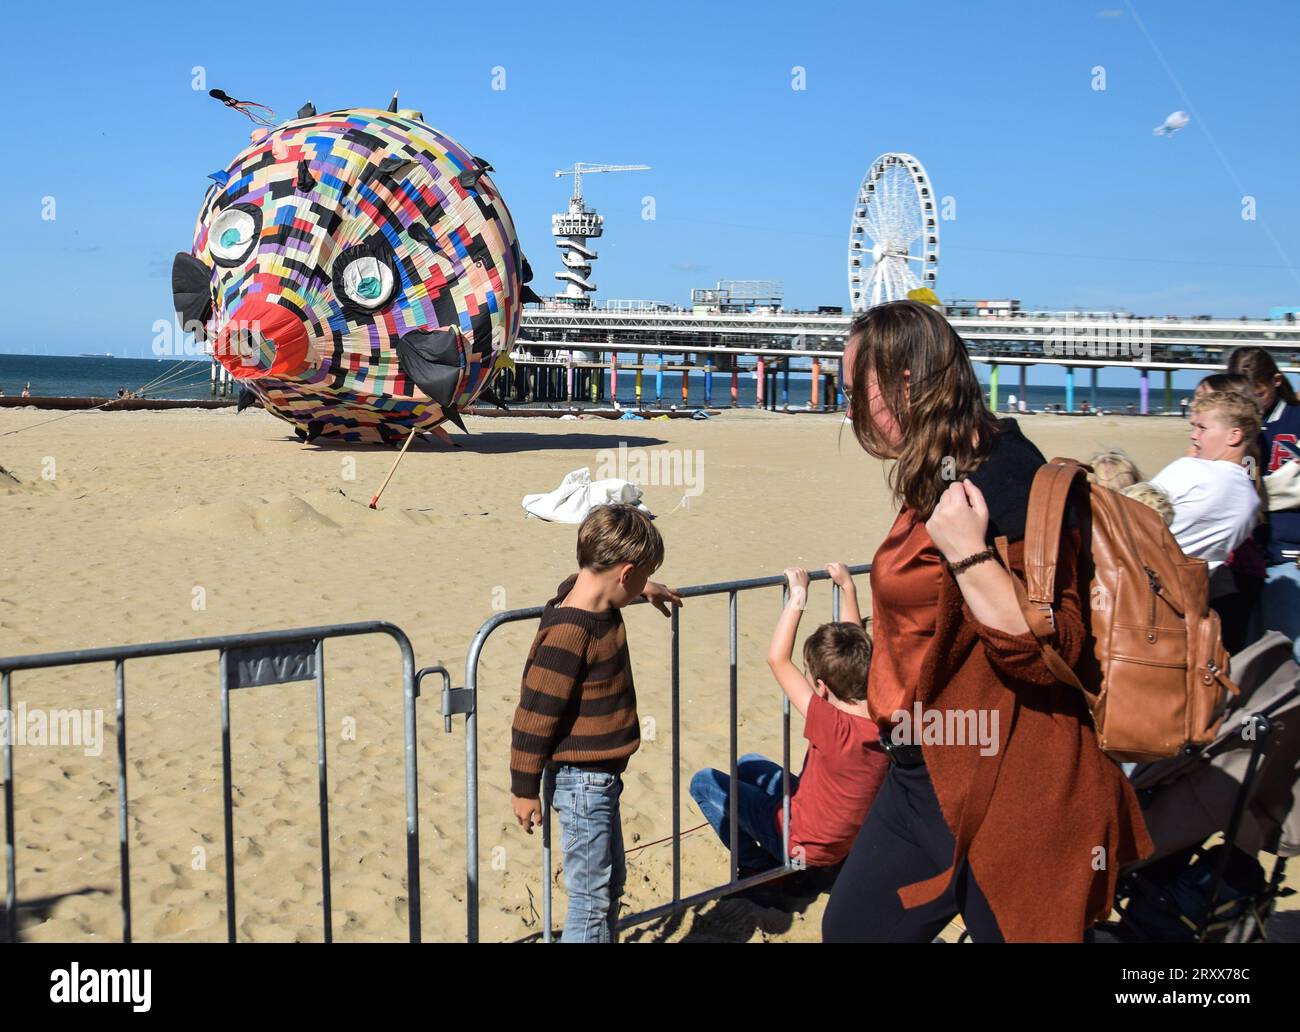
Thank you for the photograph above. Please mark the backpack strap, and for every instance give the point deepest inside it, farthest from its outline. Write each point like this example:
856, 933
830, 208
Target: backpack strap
1049, 497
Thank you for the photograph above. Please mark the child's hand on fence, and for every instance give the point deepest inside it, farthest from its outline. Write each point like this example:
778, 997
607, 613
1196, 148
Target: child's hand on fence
660, 595
797, 579
528, 812
840, 575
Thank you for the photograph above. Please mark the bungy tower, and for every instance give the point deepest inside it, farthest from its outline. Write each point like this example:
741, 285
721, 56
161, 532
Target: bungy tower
572, 229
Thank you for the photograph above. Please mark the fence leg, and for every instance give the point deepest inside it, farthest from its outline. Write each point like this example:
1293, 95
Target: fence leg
223, 664
676, 702
548, 776
123, 824
11, 873
733, 795
322, 775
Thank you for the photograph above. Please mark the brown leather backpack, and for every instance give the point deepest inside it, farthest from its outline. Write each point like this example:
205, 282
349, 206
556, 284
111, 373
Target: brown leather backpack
1153, 668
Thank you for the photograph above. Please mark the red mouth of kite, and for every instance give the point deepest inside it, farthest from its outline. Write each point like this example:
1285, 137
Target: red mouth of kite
262, 339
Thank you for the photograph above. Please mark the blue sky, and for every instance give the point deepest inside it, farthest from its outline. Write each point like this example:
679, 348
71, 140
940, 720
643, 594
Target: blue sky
1063, 196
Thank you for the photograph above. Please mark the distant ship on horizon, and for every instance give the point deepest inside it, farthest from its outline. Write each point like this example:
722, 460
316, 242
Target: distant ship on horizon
96, 354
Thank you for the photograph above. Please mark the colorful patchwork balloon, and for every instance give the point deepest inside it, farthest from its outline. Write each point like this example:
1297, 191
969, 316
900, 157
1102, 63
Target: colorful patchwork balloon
358, 272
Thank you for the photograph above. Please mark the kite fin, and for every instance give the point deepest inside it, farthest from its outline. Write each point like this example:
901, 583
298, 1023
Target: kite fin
528, 296
305, 183
392, 104
451, 413
307, 110
300, 433
247, 399
314, 429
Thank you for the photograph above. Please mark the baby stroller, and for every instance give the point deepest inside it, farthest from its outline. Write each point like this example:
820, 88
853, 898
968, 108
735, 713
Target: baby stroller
1243, 784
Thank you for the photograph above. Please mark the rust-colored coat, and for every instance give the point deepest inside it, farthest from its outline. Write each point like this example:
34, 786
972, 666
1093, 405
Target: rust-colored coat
1047, 821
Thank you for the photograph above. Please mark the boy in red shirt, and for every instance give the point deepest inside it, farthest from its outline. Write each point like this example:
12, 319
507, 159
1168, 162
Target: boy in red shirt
845, 763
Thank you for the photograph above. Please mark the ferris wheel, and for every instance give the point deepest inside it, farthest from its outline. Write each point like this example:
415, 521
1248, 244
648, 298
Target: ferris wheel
894, 236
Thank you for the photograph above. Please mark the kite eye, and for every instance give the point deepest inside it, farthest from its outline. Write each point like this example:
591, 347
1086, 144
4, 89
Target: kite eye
233, 233
364, 277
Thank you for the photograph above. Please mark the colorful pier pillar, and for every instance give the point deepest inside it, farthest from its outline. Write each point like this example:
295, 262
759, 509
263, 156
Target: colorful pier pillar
1092, 388
639, 370
568, 381
993, 388
613, 378
735, 381
1169, 390
785, 384
759, 377
839, 385
708, 386
659, 380
1069, 388
1024, 378
1144, 392
686, 383
814, 384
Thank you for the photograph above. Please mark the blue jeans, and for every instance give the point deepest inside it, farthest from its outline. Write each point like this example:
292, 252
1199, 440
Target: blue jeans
591, 836
759, 842
1279, 604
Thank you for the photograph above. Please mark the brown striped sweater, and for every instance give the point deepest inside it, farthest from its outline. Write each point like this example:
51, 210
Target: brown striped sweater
577, 703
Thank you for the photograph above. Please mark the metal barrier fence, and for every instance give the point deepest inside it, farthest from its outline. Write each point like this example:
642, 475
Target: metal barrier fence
465, 701
244, 661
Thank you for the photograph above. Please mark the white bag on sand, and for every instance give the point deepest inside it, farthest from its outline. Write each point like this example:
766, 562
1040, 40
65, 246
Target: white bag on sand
578, 494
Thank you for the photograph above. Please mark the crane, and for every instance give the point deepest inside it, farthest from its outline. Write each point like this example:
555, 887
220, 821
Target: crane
580, 167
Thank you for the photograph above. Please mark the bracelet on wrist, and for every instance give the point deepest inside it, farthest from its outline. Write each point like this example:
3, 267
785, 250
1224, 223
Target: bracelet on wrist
962, 565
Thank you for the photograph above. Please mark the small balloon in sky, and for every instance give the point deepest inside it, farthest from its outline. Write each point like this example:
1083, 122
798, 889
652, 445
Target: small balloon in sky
1177, 120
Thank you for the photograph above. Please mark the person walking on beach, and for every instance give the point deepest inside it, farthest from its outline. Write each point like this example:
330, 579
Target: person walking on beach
576, 721
1023, 827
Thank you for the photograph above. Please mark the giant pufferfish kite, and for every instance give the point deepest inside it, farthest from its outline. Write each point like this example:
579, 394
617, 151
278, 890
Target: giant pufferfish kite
358, 272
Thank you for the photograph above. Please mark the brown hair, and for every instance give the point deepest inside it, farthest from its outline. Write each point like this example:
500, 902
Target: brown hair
939, 406
612, 535
839, 655
1227, 382
1114, 469
1240, 411
1258, 366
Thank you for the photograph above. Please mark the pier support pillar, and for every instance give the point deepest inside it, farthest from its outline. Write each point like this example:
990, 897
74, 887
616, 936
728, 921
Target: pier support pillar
1169, 390
659, 380
1024, 377
735, 382
686, 384
613, 378
639, 371
1069, 388
568, 381
708, 386
1144, 392
1092, 388
993, 387
839, 385
814, 384
759, 379
785, 384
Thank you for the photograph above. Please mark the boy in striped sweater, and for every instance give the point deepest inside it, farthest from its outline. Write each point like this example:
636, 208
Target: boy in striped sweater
576, 718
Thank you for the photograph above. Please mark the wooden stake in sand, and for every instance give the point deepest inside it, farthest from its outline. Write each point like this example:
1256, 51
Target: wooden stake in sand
374, 502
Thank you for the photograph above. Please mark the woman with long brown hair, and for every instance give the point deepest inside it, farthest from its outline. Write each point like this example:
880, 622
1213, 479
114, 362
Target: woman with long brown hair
998, 804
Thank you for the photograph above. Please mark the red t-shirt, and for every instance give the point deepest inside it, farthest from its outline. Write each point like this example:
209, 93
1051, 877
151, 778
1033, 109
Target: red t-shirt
841, 776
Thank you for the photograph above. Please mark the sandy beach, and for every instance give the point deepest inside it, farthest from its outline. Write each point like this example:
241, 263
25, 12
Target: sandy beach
138, 527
